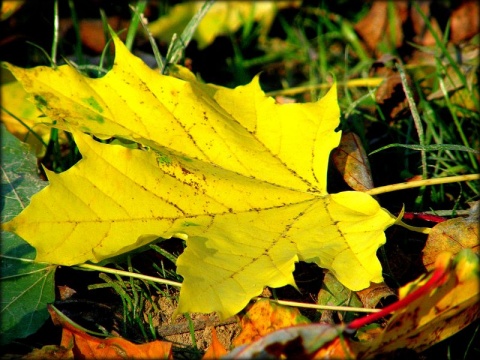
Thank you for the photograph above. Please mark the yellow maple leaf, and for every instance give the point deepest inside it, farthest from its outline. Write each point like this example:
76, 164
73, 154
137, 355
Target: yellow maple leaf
22, 118
223, 18
241, 178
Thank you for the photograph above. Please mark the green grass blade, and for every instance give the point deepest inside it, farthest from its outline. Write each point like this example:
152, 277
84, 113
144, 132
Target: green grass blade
56, 31
435, 147
457, 123
153, 44
76, 28
415, 115
440, 43
175, 54
136, 19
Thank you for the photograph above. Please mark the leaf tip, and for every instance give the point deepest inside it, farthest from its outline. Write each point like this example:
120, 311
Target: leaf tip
8, 226
255, 83
6, 65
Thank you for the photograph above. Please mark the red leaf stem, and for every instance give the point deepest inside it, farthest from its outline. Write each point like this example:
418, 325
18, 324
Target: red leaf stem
439, 276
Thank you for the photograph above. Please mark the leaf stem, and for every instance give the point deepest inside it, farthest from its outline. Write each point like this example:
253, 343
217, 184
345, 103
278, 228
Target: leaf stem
130, 274
19, 259
352, 83
322, 307
422, 230
420, 183
177, 284
438, 278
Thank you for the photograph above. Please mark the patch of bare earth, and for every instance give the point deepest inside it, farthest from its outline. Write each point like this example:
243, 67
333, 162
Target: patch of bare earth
178, 330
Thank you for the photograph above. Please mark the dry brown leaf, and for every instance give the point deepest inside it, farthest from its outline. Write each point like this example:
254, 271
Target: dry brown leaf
65, 292
452, 235
409, 26
375, 28
372, 295
92, 32
370, 28
449, 307
423, 35
351, 160
464, 21
390, 95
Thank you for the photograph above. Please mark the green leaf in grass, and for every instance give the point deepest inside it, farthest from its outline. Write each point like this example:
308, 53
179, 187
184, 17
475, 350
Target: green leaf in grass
26, 287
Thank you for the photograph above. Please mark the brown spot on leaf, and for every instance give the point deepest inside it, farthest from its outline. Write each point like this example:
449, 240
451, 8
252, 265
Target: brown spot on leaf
185, 171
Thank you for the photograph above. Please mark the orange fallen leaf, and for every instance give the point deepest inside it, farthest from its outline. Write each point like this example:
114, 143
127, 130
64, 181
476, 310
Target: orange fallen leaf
92, 32
430, 309
265, 317
336, 349
85, 346
433, 308
89, 347
216, 349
